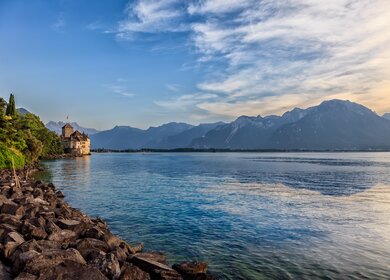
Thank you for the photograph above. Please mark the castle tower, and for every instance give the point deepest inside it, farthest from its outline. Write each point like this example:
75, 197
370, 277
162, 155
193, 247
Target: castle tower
67, 130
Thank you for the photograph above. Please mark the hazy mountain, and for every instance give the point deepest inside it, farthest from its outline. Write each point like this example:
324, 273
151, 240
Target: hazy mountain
185, 138
386, 116
334, 124
22, 111
125, 137
246, 132
57, 127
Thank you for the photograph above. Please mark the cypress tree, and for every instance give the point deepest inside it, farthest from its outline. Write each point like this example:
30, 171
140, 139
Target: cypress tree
11, 107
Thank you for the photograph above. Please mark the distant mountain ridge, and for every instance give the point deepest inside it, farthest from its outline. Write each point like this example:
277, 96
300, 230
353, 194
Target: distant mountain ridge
386, 116
57, 127
332, 125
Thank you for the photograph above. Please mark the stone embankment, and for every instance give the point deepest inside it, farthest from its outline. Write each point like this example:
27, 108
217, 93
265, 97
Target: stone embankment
44, 238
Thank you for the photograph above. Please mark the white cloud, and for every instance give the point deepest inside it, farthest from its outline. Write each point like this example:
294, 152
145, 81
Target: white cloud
274, 54
151, 16
182, 103
120, 88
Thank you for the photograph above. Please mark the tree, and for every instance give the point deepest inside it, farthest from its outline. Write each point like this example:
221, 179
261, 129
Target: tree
11, 107
2, 106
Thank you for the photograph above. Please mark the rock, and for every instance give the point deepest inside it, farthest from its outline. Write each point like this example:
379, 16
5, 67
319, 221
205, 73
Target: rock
9, 249
38, 222
12, 208
121, 254
48, 244
20, 260
68, 224
31, 211
155, 269
154, 256
3, 198
51, 258
59, 194
94, 232
63, 236
108, 264
4, 272
51, 227
38, 193
70, 270
88, 245
193, 270
11, 220
39, 201
5, 229
132, 272
15, 237
26, 276
32, 231
135, 249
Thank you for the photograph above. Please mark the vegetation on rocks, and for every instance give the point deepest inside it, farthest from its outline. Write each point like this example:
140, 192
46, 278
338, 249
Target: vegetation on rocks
24, 137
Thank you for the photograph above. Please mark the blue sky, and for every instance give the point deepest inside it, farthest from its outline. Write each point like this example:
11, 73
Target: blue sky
147, 62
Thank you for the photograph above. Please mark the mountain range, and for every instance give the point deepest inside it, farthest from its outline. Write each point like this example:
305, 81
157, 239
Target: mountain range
57, 127
332, 125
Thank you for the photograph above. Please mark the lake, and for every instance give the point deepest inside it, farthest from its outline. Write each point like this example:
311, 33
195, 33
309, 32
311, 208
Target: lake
249, 215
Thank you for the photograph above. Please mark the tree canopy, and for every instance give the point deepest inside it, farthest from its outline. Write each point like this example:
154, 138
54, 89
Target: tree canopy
24, 137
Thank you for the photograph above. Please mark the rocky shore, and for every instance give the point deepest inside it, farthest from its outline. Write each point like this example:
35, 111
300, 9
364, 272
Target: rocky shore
42, 237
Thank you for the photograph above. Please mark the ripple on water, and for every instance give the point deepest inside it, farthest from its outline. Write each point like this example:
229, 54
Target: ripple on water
251, 216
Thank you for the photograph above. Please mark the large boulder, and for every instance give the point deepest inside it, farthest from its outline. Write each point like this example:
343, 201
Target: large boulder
68, 224
108, 264
71, 270
155, 269
12, 208
132, 272
87, 246
193, 270
64, 235
50, 258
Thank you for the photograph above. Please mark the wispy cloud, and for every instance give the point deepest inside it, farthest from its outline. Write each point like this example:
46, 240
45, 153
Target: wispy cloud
149, 16
275, 54
120, 88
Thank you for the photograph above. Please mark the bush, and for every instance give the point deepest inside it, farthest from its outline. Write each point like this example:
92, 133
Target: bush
6, 155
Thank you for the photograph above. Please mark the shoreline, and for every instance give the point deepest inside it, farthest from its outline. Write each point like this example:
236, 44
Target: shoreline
185, 150
42, 237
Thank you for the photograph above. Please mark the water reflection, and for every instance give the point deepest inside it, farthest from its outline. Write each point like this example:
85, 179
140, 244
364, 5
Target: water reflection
252, 216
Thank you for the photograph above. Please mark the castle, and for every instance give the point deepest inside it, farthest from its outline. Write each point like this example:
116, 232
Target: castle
75, 142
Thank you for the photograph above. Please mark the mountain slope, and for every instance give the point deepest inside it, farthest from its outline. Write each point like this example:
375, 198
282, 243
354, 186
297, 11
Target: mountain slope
126, 137
386, 116
334, 124
246, 132
185, 138
57, 127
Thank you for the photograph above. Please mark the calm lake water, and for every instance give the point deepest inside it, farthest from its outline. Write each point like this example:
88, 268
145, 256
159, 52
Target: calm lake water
249, 215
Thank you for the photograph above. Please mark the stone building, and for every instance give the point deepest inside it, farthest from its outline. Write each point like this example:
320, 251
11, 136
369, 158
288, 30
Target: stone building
75, 142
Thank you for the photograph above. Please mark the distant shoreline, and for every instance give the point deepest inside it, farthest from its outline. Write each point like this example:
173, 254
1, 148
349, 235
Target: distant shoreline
190, 150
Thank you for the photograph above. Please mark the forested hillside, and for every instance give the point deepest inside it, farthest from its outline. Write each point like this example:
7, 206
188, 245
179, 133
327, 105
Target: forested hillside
23, 137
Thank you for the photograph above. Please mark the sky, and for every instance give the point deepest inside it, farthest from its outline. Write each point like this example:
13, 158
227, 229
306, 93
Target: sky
147, 62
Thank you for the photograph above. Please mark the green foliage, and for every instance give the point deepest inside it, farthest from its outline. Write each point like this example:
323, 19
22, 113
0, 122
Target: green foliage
6, 155
11, 107
25, 136
3, 104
